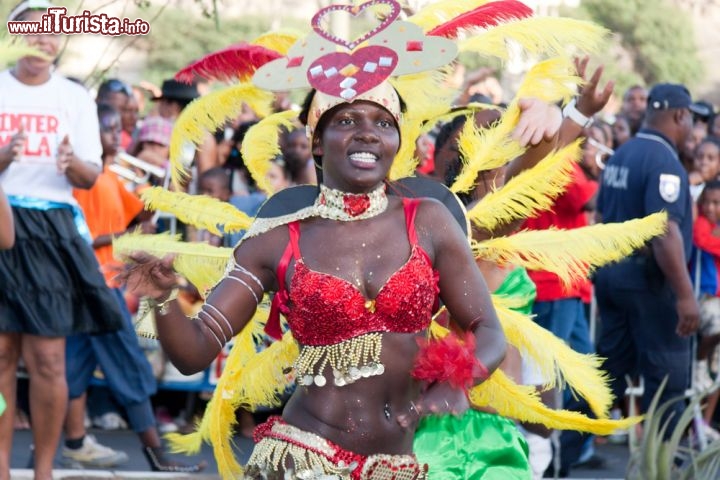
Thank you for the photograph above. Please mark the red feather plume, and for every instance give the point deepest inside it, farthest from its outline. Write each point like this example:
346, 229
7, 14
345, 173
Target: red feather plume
236, 62
483, 16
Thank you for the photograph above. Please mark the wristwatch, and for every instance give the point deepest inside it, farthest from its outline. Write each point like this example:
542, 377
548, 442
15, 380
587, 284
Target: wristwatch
571, 112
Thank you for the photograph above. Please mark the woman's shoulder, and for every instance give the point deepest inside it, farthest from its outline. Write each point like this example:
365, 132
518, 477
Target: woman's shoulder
69, 87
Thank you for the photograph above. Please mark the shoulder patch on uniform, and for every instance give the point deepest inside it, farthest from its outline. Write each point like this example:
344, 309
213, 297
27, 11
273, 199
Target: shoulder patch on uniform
669, 187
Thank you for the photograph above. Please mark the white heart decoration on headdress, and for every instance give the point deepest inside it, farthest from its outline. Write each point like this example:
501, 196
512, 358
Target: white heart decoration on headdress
346, 69
354, 10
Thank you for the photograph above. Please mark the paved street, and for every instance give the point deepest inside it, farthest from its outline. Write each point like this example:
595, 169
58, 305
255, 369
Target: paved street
137, 468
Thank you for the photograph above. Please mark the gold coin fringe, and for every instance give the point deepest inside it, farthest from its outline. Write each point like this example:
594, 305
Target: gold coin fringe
350, 361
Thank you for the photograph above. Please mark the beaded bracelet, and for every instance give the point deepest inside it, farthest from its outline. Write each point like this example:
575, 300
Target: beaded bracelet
164, 306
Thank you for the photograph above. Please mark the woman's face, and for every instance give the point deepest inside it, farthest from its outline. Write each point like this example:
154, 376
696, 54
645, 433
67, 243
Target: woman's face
129, 115
277, 178
357, 143
707, 161
48, 44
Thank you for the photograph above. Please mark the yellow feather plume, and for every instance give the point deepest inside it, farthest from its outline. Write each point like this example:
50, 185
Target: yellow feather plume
430, 98
555, 359
486, 149
522, 403
440, 12
244, 347
203, 265
279, 41
198, 210
572, 254
265, 376
530, 192
538, 36
12, 50
207, 114
261, 145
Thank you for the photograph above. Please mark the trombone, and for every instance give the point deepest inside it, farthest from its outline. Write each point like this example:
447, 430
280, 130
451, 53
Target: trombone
131, 175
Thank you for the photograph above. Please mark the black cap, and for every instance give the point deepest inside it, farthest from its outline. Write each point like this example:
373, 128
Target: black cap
664, 96
174, 90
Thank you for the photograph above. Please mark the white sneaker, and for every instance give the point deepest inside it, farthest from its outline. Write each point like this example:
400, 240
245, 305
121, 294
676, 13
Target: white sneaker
710, 433
110, 421
92, 454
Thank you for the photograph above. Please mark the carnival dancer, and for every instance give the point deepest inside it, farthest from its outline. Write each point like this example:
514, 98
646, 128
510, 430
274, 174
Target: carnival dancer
357, 262
52, 285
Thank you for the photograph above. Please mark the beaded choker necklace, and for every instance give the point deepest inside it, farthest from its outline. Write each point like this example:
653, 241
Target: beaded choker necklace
346, 207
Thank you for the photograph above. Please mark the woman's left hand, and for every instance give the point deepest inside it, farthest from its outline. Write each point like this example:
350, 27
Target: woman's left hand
538, 121
440, 398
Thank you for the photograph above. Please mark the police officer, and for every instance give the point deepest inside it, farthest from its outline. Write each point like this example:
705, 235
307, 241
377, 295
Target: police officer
646, 302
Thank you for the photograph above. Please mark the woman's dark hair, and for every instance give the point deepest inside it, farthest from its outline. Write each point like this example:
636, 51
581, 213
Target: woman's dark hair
453, 168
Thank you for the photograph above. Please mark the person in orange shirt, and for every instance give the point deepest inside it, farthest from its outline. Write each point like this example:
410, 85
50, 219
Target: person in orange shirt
109, 209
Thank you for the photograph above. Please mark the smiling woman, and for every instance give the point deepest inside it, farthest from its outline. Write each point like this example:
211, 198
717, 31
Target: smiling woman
357, 266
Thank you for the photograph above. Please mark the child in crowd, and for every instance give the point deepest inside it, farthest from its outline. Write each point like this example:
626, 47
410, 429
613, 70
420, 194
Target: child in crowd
295, 149
109, 209
279, 176
706, 238
706, 165
153, 145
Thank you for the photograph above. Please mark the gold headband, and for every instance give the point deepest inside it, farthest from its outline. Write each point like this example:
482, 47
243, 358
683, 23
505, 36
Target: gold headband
384, 95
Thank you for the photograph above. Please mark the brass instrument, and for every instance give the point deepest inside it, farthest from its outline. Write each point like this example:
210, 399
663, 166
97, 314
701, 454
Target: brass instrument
131, 175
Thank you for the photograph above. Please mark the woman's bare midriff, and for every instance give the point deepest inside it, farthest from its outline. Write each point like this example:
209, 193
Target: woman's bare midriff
363, 417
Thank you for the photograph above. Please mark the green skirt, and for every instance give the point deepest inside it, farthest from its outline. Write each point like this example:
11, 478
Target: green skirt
476, 446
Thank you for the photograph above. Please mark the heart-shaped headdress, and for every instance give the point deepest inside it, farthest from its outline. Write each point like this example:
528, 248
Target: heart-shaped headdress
344, 70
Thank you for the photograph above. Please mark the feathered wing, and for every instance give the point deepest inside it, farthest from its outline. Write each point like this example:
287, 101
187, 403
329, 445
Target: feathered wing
261, 145
437, 13
233, 63
489, 148
573, 254
202, 264
528, 193
523, 403
201, 211
488, 15
538, 37
557, 361
207, 114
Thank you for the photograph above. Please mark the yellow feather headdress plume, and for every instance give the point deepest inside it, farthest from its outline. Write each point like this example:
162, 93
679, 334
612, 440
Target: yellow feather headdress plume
280, 41
439, 12
532, 191
198, 210
557, 361
202, 264
538, 36
522, 403
261, 145
430, 98
209, 112
572, 254
12, 50
486, 149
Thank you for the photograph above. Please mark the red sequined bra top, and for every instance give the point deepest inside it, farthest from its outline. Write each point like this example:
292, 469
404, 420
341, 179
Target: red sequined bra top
323, 309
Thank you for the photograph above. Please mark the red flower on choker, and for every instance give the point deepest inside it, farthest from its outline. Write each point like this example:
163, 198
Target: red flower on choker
343, 206
355, 205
